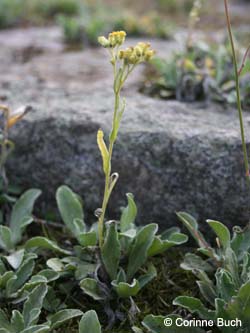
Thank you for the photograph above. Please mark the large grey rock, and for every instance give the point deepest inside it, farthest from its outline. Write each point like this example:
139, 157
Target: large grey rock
172, 156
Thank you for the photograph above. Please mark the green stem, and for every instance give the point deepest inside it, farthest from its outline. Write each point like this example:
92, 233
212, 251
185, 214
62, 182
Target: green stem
109, 185
4, 152
244, 60
107, 190
237, 83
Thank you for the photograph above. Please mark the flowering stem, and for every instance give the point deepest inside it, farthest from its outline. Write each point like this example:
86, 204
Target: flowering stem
107, 188
237, 84
123, 61
4, 152
244, 60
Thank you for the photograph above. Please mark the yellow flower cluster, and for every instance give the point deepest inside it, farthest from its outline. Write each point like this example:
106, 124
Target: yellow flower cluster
116, 38
134, 55
131, 55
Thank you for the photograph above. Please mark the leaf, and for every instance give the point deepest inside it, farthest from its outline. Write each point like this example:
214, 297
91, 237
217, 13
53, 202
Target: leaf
208, 291
52, 302
15, 259
70, 209
22, 211
240, 242
136, 329
111, 250
2, 267
48, 274
231, 264
155, 324
90, 323
57, 319
245, 267
55, 264
34, 281
22, 275
225, 285
104, 151
5, 238
160, 245
146, 278
121, 276
37, 329
84, 269
128, 214
139, 250
33, 305
194, 305
17, 322
4, 322
222, 233
87, 239
91, 288
23, 225
191, 224
4, 278
238, 307
15, 115
168, 232
130, 233
221, 309
126, 290
192, 262
42, 242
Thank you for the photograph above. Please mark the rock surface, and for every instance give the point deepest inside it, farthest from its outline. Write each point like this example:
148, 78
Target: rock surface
172, 156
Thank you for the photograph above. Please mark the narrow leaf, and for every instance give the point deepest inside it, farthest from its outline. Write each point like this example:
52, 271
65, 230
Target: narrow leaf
139, 250
5, 238
21, 276
70, 209
128, 214
104, 151
32, 307
44, 243
91, 288
17, 322
146, 278
60, 317
37, 329
111, 250
22, 210
161, 245
15, 259
194, 305
191, 224
222, 232
4, 322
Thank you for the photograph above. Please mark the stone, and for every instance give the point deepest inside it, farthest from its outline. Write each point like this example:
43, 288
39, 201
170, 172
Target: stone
172, 156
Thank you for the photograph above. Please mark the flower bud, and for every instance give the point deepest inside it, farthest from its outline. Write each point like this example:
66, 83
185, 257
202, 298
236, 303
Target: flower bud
149, 55
117, 38
103, 41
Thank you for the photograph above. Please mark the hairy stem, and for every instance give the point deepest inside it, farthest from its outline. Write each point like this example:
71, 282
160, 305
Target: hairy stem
237, 84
